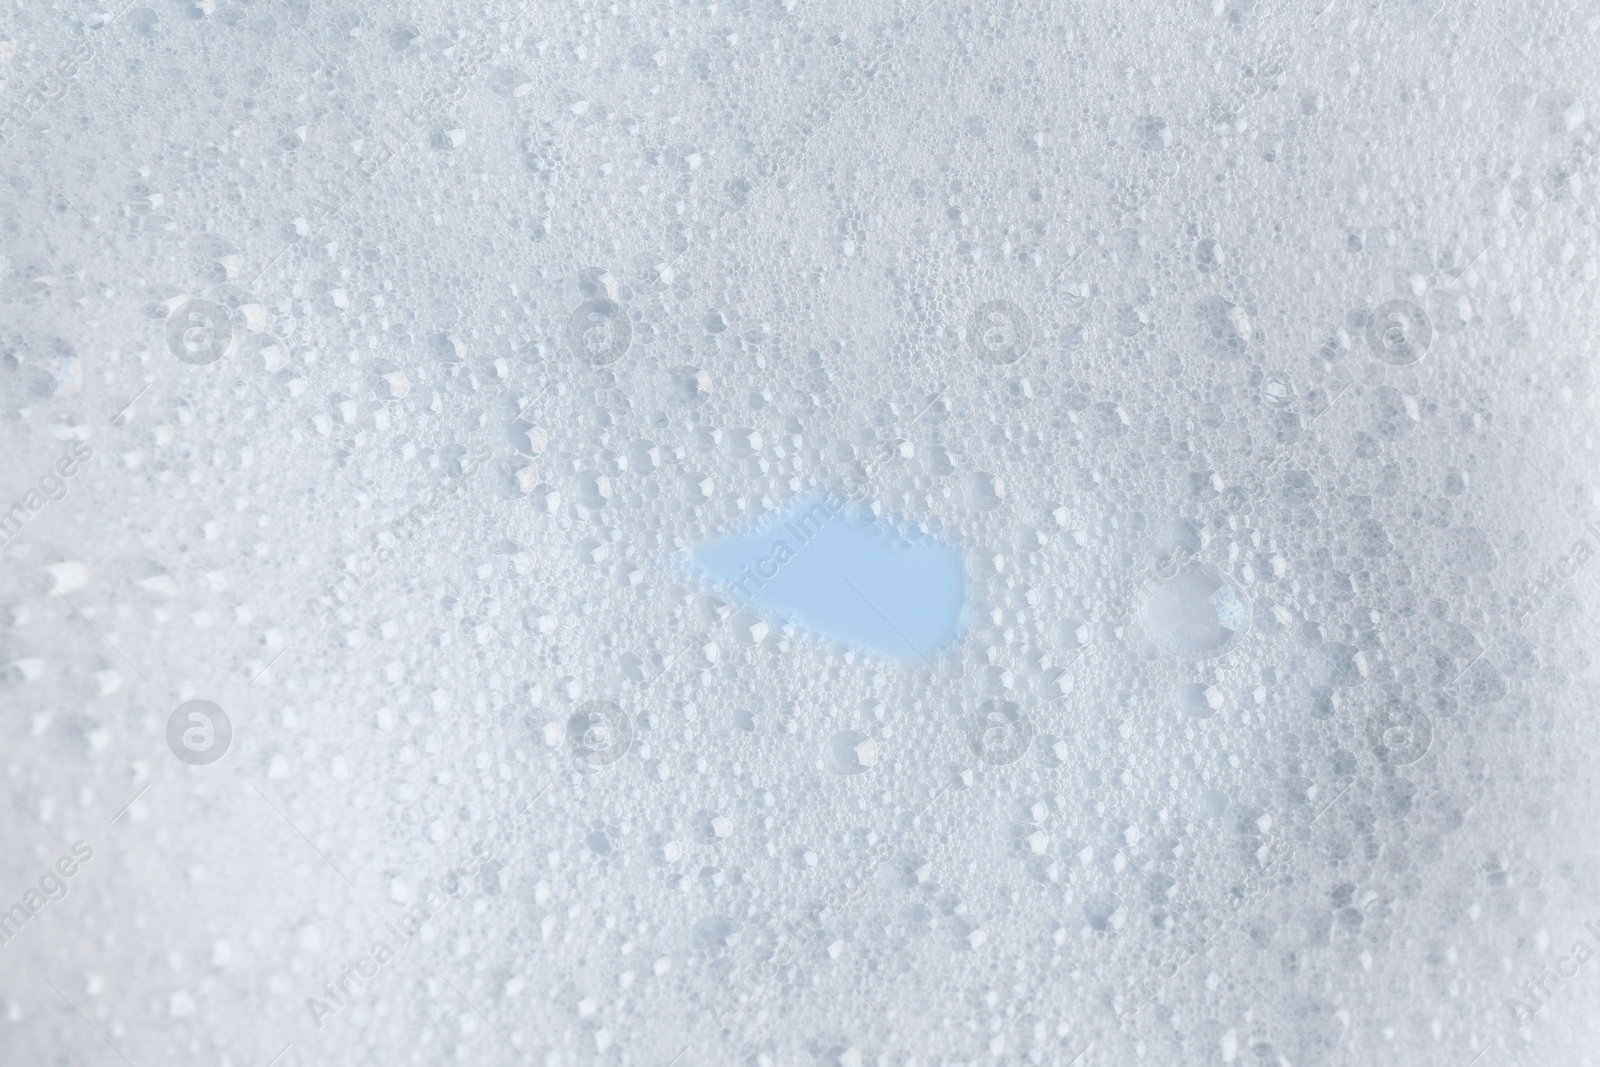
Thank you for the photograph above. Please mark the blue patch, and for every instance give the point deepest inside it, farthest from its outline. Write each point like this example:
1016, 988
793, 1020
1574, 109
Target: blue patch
852, 581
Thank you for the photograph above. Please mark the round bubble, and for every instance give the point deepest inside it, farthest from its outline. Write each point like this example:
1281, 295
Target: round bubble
1198, 699
850, 752
1197, 612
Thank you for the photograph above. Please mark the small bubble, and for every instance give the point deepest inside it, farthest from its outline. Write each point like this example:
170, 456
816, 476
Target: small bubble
1154, 134
713, 826
1276, 390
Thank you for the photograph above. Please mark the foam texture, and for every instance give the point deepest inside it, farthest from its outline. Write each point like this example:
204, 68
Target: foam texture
373, 376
